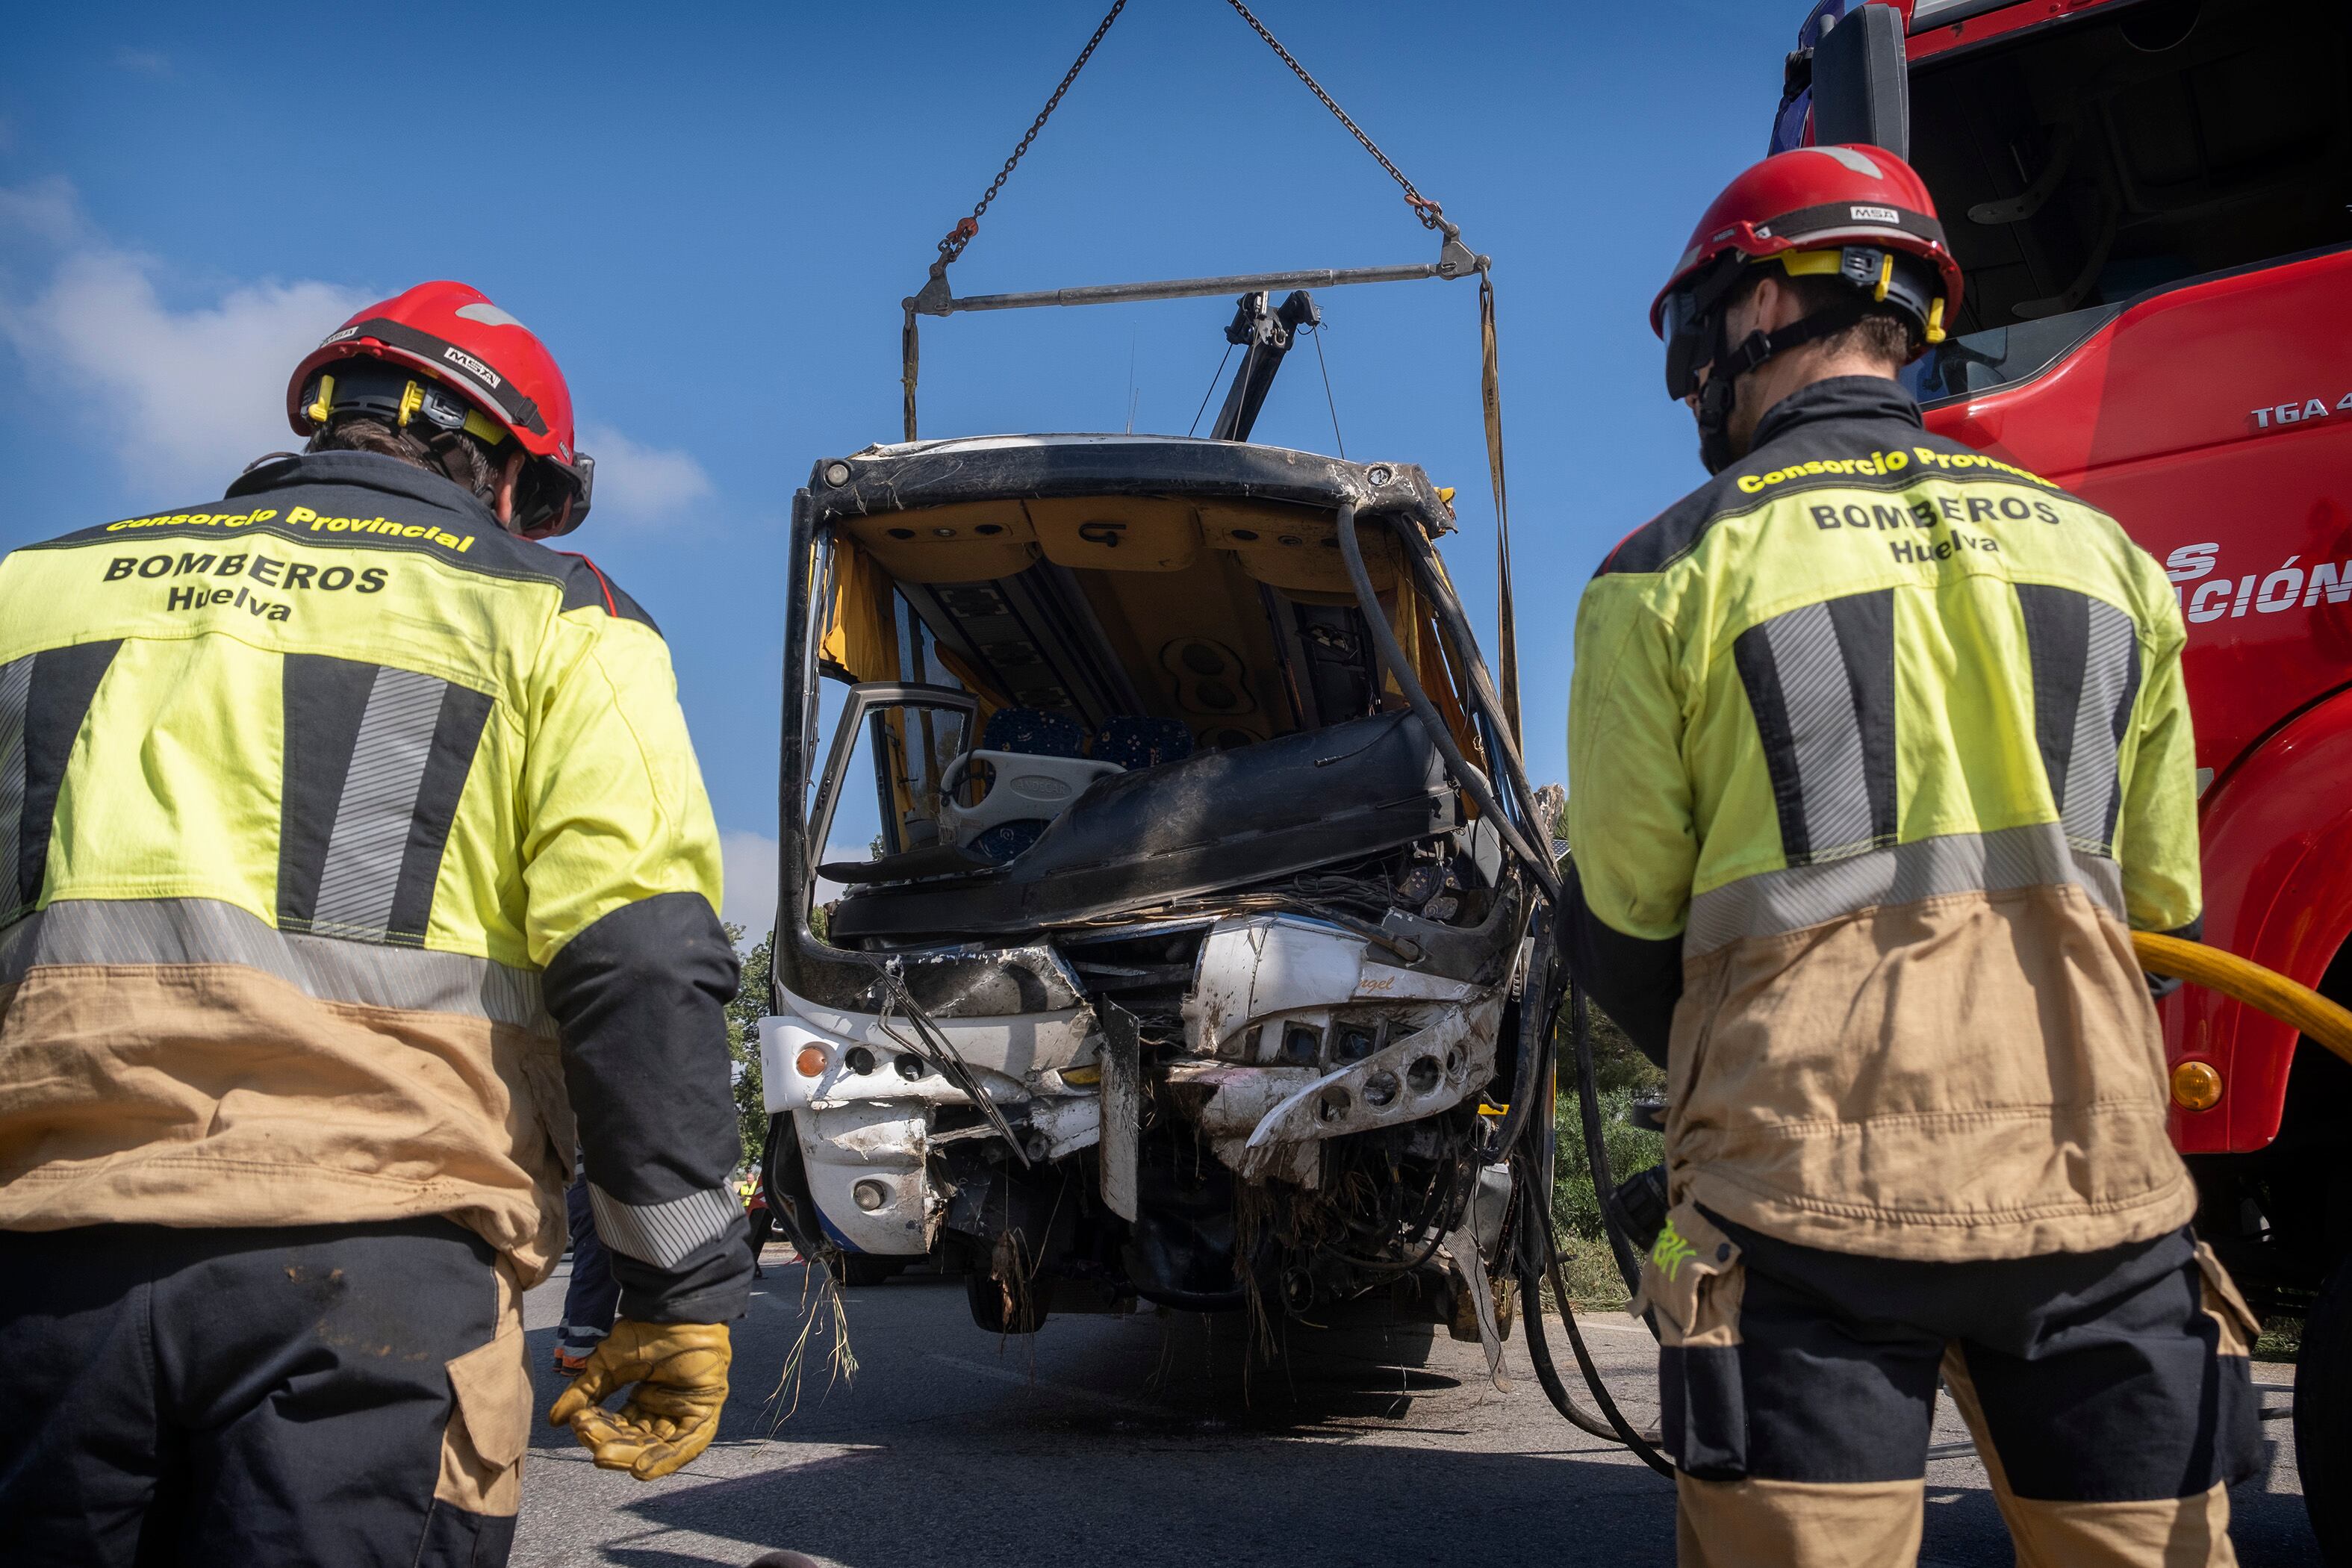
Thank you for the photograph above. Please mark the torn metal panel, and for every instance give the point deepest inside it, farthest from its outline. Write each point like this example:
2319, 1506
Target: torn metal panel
1417, 1075
1122, 1109
1061, 1126
865, 1167
1014, 1057
1228, 1101
991, 982
1266, 963
1254, 968
1461, 1249
951, 980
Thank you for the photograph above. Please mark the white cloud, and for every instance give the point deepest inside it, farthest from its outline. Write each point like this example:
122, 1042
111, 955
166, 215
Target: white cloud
185, 398
145, 62
641, 484
748, 898
46, 211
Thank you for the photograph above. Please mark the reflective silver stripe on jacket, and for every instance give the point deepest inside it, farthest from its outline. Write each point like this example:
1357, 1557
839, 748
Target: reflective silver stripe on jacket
1773, 903
665, 1234
379, 803
205, 930
1820, 681
2110, 680
15, 684
1825, 741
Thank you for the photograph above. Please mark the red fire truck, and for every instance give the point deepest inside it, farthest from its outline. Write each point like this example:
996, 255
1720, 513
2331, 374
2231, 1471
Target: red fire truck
2149, 198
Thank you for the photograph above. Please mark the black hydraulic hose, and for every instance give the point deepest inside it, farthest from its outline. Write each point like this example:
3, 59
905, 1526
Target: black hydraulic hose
1474, 782
1454, 621
1535, 1270
1596, 1146
1537, 1006
1531, 1285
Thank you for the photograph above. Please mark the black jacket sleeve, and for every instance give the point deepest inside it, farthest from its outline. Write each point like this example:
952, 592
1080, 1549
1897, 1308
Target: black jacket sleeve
1636, 982
640, 1000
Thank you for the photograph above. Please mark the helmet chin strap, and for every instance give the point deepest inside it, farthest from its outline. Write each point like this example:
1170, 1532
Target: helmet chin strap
1721, 393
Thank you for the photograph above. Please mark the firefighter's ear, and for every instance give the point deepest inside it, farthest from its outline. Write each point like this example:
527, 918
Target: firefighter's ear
1769, 304
503, 504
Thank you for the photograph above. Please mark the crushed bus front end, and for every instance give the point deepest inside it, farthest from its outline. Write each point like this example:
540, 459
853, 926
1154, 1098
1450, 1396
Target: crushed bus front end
1136, 942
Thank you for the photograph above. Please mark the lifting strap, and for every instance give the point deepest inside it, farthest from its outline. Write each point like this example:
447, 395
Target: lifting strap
911, 355
1506, 648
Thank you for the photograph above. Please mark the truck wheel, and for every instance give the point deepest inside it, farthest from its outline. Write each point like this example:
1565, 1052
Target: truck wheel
988, 1311
2323, 1416
866, 1268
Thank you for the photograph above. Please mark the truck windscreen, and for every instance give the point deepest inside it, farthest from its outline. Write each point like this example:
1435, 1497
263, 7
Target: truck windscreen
2081, 164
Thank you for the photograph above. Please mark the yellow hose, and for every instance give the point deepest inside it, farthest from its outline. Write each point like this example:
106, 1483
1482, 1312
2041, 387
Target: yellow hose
2264, 990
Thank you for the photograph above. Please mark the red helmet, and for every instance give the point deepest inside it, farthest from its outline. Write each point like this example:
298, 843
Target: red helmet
1860, 212
507, 383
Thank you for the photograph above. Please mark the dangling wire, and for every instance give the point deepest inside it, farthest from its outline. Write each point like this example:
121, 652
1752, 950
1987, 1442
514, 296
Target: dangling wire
1317, 333
1210, 393
1131, 383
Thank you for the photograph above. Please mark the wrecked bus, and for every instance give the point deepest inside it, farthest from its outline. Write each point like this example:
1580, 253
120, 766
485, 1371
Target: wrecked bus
1134, 941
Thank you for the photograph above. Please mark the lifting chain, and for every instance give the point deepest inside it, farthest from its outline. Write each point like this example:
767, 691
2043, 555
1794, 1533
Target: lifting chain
960, 235
1432, 215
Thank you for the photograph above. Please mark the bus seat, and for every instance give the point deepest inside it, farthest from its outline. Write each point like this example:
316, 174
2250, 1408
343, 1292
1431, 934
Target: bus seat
1037, 764
1135, 742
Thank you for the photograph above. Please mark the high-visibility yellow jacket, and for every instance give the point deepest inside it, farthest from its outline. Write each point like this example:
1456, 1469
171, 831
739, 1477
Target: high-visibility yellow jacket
1877, 746
354, 859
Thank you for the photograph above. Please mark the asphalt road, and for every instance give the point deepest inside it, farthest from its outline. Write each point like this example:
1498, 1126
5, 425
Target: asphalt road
1141, 1440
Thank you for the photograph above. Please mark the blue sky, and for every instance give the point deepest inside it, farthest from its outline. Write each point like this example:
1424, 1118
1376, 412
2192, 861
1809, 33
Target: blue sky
711, 215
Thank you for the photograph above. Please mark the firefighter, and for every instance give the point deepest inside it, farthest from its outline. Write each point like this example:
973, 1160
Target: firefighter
1878, 754
760, 1218
356, 858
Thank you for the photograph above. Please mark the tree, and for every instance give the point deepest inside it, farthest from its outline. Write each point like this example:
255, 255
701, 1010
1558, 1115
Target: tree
743, 1016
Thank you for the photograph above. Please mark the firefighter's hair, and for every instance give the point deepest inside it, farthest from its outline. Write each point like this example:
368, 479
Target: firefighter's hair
1885, 332
463, 458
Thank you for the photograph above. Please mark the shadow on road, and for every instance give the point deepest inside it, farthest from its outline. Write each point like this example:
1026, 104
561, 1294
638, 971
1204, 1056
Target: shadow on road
1156, 1438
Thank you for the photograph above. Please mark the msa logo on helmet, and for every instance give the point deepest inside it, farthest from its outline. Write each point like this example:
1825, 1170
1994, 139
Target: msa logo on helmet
337, 337
1875, 214
466, 362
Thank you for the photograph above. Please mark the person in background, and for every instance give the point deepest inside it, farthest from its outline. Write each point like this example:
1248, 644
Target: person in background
594, 1294
762, 1218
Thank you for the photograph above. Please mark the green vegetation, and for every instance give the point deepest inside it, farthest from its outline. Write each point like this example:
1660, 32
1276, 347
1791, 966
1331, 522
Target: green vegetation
743, 1016
1622, 1072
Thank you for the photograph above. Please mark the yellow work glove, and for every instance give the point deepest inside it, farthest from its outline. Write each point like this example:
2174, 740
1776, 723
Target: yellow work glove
679, 1371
